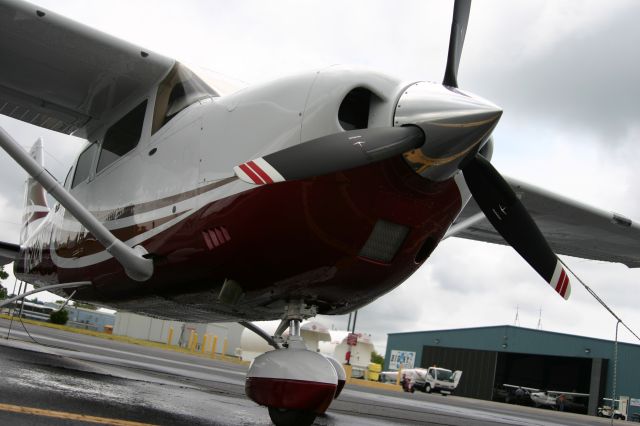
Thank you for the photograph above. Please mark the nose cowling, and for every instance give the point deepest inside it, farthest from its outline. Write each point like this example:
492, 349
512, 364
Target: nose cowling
455, 123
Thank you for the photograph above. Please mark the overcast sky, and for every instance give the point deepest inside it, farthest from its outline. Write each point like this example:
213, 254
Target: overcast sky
566, 73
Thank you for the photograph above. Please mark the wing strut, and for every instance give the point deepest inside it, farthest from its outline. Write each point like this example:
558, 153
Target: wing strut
136, 266
465, 224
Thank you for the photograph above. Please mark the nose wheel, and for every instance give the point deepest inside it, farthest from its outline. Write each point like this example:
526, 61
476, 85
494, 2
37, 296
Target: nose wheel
294, 383
285, 417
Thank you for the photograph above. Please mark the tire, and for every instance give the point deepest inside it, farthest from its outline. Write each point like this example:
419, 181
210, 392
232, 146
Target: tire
285, 417
427, 388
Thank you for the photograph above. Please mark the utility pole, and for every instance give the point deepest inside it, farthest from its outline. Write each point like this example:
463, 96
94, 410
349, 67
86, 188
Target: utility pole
349, 333
540, 319
353, 326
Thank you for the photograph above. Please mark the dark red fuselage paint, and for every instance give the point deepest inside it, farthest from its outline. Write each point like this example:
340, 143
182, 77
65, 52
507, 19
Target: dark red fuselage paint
290, 240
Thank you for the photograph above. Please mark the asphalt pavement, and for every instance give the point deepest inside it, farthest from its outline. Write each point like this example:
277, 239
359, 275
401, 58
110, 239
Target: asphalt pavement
55, 377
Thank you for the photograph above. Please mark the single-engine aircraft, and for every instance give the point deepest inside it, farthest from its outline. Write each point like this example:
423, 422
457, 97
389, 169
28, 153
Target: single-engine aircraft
546, 398
317, 193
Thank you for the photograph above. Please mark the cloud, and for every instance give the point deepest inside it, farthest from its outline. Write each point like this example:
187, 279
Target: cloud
10, 215
560, 69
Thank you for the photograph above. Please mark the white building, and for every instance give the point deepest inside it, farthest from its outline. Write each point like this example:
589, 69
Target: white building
157, 330
360, 353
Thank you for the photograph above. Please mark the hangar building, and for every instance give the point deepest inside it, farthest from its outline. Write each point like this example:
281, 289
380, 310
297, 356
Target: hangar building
492, 356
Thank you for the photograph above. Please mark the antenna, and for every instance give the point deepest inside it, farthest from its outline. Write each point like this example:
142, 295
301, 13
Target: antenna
540, 319
516, 322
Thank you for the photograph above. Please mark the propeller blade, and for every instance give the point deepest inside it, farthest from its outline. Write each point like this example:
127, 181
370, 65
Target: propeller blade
459, 23
331, 153
509, 217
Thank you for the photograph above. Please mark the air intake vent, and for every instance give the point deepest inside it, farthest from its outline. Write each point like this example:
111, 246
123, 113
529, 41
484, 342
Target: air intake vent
384, 242
354, 109
216, 237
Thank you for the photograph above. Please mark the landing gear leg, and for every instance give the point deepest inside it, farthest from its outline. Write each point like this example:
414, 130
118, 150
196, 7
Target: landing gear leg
294, 383
288, 416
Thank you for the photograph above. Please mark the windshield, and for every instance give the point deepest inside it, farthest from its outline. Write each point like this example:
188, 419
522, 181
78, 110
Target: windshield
444, 375
178, 90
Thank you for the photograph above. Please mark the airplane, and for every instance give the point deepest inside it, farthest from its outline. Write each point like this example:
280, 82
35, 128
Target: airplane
198, 200
546, 398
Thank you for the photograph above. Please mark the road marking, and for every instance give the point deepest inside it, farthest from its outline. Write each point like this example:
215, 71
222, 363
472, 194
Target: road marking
68, 416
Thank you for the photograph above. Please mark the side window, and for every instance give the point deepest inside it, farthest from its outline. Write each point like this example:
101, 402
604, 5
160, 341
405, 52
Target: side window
83, 167
122, 137
180, 88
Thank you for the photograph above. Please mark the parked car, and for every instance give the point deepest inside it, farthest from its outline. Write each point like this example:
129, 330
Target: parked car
605, 411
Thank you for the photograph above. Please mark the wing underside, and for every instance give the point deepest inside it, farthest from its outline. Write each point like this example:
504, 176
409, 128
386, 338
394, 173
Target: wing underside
572, 228
64, 76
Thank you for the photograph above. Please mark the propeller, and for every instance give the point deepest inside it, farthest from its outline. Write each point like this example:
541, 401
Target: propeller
459, 23
494, 195
331, 153
503, 209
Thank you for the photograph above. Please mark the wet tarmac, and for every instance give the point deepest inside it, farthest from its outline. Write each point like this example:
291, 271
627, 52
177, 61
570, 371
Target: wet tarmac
72, 379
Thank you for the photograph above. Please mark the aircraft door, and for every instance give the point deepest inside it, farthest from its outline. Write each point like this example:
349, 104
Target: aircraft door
74, 238
215, 144
172, 158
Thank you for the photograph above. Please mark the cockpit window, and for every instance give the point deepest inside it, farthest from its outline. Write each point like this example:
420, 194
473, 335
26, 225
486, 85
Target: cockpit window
122, 137
177, 91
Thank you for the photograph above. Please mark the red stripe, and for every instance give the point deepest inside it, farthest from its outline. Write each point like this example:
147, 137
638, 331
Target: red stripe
560, 281
565, 284
220, 236
35, 216
254, 177
214, 238
225, 233
261, 172
207, 240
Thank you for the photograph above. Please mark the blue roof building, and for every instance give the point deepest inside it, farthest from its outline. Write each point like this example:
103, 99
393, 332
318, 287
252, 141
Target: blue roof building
491, 357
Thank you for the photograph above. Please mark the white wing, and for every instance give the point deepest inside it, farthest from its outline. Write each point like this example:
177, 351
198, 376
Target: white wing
64, 76
572, 228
